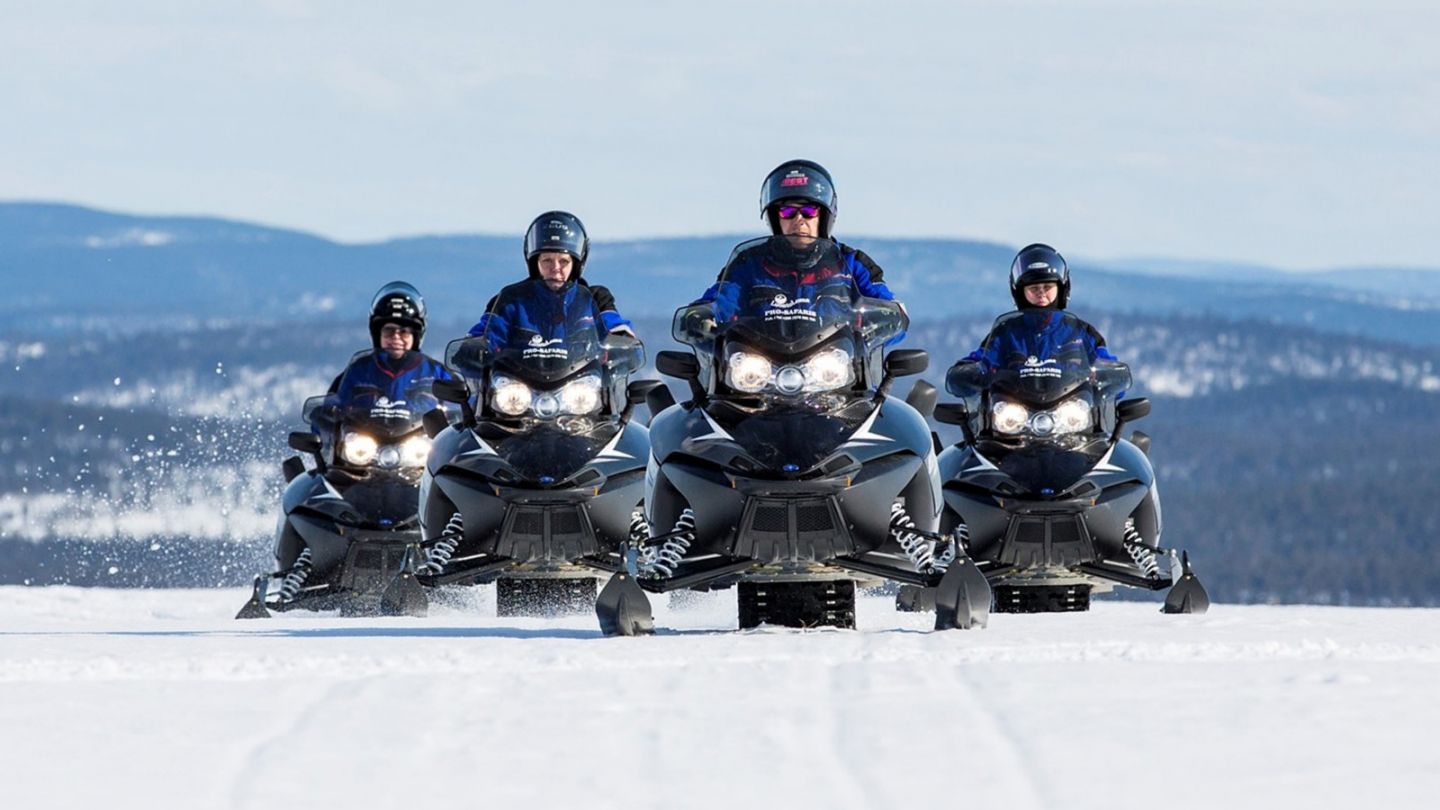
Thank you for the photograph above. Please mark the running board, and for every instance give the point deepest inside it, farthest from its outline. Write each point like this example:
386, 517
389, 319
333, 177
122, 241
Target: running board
697, 578
885, 572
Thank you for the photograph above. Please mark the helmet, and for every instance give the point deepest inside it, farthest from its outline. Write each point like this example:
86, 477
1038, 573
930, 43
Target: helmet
397, 302
1037, 264
558, 231
799, 180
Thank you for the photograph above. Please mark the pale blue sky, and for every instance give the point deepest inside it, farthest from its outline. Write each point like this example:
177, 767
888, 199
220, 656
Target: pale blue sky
1299, 134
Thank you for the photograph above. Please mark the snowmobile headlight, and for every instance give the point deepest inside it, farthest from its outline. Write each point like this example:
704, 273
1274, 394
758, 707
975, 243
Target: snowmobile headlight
1072, 416
1009, 417
510, 397
829, 370
790, 380
358, 449
581, 396
546, 404
749, 372
414, 451
388, 457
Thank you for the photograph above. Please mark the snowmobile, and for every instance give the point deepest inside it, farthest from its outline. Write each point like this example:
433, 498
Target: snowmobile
1043, 493
790, 473
539, 483
347, 522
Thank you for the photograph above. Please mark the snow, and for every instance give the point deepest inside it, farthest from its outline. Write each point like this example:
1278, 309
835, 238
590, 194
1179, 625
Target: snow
131, 237
159, 699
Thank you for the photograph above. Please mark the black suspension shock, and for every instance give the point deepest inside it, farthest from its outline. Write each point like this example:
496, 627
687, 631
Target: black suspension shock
947, 550
439, 554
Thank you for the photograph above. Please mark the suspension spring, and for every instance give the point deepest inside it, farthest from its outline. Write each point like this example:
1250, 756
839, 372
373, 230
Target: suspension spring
1142, 554
295, 577
663, 560
639, 528
920, 550
440, 553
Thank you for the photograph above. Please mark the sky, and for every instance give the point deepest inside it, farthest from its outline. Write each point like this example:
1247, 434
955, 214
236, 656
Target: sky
1302, 135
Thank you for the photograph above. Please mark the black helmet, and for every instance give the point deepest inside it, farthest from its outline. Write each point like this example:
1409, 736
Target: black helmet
397, 302
560, 232
799, 180
1037, 264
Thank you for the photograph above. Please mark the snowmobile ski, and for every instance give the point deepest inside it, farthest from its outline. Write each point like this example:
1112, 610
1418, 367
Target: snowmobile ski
1187, 595
404, 596
255, 608
962, 599
623, 608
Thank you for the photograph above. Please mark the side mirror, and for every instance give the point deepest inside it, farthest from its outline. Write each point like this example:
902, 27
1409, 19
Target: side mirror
683, 365
658, 399
1128, 410
955, 413
435, 421
678, 364
952, 413
292, 468
454, 390
305, 442
308, 443
905, 362
638, 391
900, 363
922, 397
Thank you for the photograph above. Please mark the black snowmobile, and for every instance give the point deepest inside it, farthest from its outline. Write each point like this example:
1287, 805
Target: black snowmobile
790, 473
1045, 496
537, 489
347, 522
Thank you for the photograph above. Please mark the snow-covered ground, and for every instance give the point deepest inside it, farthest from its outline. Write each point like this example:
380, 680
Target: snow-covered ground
158, 699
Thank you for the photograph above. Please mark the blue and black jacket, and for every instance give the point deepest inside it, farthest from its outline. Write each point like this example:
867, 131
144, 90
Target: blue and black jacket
869, 279
1051, 336
374, 374
544, 310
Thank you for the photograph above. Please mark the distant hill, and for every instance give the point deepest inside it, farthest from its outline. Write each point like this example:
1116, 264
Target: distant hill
82, 268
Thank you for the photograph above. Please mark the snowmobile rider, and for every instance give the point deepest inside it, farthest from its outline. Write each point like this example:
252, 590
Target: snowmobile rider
798, 200
396, 365
556, 247
1040, 285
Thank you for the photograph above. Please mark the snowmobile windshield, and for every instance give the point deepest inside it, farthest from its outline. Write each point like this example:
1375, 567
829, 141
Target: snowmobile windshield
787, 322
1050, 403
374, 433
532, 332
543, 356
789, 350
379, 415
1043, 357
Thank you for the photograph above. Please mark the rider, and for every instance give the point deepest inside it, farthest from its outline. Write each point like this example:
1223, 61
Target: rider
556, 247
1040, 285
798, 200
396, 366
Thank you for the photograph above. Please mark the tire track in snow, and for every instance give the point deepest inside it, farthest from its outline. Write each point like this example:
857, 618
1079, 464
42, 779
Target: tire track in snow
257, 782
